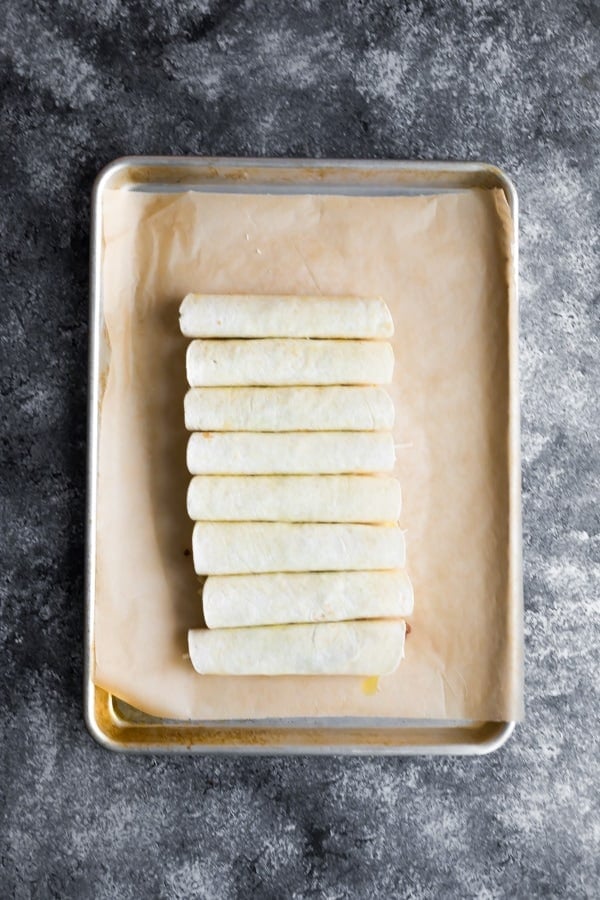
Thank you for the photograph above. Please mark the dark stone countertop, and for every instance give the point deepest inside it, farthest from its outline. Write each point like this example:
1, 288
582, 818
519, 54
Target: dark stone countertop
516, 83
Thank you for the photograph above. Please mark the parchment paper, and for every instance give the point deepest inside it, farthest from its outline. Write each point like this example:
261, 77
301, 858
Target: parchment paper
440, 262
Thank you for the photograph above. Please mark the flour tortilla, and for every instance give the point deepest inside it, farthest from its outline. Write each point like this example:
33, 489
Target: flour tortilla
239, 548
369, 648
247, 316
331, 408
294, 498
288, 362
290, 453
231, 601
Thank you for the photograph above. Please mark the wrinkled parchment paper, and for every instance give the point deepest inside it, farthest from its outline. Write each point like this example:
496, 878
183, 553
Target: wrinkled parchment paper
440, 262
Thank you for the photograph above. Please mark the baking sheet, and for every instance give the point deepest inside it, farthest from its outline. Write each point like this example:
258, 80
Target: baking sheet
441, 264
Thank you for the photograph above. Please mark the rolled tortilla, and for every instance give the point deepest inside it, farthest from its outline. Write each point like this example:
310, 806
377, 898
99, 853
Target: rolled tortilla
288, 362
294, 498
332, 408
329, 648
237, 601
290, 453
248, 316
240, 548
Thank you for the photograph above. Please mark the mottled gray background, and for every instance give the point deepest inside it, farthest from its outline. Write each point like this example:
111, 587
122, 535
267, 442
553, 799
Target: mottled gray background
516, 83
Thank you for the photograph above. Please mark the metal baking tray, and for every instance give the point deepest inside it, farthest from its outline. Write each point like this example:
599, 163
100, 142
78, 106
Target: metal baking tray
111, 721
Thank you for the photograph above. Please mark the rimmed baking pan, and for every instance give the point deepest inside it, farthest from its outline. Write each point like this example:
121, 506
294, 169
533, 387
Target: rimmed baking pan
120, 726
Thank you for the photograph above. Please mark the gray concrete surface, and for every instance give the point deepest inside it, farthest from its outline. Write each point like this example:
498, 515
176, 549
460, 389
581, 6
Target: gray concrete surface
516, 83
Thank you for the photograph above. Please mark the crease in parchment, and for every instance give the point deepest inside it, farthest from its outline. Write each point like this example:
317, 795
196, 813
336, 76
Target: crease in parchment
308, 268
